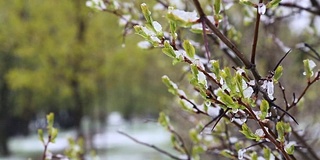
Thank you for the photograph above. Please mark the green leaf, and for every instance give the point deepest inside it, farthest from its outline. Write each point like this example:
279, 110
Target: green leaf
264, 107
282, 128
154, 36
273, 3
238, 79
215, 68
185, 106
168, 50
189, 48
228, 154
217, 5
198, 80
238, 145
152, 25
308, 67
139, 31
196, 150
226, 75
197, 30
146, 13
277, 74
177, 144
172, 87
50, 119
248, 133
176, 61
71, 141
53, 134
194, 70
226, 99
289, 149
266, 153
254, 156
173, 28
287, 128
164, 120
246, 2
193, 134
40, 135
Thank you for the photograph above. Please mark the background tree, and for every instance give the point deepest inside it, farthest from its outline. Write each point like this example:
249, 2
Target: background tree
57, 56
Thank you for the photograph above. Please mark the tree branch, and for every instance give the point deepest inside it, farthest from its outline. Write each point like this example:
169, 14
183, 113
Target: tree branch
151, 146
255, 37
227, 42
293, 5
268, 134
296, 101
226, 51
205, 40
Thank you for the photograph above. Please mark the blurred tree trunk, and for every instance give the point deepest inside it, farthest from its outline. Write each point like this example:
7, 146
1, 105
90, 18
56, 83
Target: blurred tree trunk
77, 60
78, 105
79, 99
4, 107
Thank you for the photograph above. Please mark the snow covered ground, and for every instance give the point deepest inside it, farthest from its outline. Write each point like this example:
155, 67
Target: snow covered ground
110, 144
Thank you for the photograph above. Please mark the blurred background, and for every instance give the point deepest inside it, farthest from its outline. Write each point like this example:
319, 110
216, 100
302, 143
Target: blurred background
60, 56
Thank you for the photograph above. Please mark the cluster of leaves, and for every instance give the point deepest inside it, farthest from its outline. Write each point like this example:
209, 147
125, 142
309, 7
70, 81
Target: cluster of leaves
230, 96
52, 135
74, 151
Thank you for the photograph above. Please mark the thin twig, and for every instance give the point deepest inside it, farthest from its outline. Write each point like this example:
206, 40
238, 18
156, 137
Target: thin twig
315, 3
271, 103
214, 119
284, 95
255, 37
205, 39
182, 143
204, 72
259, 143
194, 106
228, 136
219, 118
46, 144
292, 5
163, 4
314, 51
281, 60
295, 102
151, 146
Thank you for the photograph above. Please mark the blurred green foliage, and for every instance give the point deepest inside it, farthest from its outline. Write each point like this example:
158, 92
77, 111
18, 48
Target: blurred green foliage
58, 55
